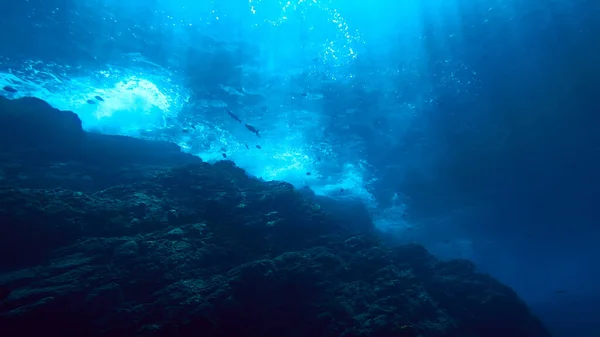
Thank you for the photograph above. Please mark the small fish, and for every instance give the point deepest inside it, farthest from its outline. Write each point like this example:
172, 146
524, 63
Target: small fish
188, 128
318, 158
308, 173
9, 89
223, 149
342, 190
246, 145
253, 129
89, 101
234, 116
224, 155
99, 98
258, 147
304, 94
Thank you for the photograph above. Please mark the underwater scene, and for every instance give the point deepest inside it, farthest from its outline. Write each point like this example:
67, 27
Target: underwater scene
301, 168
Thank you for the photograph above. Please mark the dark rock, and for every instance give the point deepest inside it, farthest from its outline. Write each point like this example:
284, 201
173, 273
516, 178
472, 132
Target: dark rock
157, 244
31, 130
30, 123
352, 213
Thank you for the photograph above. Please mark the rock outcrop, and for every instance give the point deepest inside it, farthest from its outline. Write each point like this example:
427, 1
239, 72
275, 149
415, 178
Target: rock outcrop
113, 236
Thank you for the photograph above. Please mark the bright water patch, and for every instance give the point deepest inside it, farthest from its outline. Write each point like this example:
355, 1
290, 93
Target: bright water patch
120, 101
133, 104
114, 100
321, 25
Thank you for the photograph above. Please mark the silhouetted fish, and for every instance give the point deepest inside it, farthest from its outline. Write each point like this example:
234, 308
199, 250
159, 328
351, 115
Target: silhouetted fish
188, 128
224, 155
246, 145
99, 98
308, 173
234, 116
89, 101
253, 129
258, 147
9, 89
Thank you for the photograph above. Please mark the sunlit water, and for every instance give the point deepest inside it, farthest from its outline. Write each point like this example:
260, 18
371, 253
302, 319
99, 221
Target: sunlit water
134, 96
171, 70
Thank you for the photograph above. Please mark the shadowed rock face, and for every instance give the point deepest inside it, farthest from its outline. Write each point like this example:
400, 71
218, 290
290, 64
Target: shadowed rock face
113, 236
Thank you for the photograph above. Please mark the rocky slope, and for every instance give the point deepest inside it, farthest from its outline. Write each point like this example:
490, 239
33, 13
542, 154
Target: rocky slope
112, 236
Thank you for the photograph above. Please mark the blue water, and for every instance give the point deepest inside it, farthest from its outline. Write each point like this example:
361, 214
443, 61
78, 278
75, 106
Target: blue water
468, 126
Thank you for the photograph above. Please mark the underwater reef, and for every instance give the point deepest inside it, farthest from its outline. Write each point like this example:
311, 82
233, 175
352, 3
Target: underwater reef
105, 235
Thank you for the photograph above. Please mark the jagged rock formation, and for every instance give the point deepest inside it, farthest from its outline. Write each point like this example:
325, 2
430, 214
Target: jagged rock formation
112, 236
